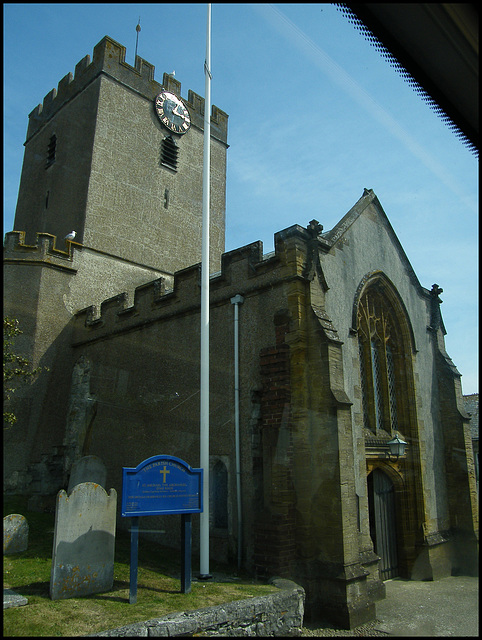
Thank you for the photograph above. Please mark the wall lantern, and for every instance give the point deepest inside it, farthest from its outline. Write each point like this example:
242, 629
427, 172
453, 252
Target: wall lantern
396, 447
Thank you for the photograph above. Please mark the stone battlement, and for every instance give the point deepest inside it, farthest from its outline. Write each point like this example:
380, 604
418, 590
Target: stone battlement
243, 271
109, 59
45, 249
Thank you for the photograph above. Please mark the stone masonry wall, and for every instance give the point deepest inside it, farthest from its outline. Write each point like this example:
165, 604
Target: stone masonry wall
278, 614
275, 544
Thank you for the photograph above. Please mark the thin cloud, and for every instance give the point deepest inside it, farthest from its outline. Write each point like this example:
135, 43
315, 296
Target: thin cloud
341, 78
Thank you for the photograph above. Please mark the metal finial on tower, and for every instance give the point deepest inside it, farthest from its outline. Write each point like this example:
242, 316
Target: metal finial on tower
138, 28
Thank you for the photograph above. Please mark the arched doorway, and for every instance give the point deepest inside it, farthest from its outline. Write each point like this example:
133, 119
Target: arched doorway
383, 529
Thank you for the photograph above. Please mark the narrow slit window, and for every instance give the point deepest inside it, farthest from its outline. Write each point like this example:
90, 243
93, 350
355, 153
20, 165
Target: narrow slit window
51, 150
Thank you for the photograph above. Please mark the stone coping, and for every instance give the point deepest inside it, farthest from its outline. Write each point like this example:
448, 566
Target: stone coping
277, 614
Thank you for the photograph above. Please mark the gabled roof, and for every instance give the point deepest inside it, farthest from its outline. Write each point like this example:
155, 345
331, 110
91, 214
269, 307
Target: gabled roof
332, 237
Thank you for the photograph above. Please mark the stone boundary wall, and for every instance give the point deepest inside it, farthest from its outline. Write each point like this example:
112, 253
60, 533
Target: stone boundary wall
277, 614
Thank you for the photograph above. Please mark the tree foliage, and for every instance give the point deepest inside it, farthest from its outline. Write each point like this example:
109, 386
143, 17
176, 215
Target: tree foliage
16, 368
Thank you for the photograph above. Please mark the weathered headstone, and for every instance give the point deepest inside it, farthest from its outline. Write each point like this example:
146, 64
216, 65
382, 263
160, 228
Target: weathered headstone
15, 534
84, 542
87, 469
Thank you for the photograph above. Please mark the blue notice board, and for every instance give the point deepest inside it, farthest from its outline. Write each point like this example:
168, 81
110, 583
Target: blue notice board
159, 485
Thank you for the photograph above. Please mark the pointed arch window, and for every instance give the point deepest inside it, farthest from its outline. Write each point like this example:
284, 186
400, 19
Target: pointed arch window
382, 357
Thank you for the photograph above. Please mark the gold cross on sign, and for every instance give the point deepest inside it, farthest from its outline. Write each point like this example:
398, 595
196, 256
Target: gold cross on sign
164, 471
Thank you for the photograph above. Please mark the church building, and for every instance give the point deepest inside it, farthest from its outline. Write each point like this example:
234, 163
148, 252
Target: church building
332, 398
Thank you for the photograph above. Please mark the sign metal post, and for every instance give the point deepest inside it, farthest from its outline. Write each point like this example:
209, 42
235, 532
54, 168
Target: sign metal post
134, 560
186, 537
157, 486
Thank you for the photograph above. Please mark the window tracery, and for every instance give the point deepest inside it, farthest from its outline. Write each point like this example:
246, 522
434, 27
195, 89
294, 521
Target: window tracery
381, 360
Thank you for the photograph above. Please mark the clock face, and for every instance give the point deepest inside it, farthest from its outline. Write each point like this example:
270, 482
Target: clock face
172, 112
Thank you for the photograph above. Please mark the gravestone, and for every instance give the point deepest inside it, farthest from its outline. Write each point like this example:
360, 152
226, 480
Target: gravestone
84, 542
15, 534
87, 469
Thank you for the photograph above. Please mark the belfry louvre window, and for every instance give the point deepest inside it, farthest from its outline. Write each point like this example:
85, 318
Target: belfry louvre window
51, 149
382, 361
169, 153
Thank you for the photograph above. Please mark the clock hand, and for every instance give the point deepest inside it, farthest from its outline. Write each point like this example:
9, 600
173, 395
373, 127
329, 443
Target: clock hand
178, 113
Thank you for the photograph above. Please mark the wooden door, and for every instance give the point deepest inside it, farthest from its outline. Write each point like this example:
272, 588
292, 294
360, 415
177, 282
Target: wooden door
383, 529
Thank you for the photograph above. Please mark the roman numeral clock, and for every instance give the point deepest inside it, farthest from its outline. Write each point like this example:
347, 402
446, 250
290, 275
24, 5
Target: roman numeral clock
172, 112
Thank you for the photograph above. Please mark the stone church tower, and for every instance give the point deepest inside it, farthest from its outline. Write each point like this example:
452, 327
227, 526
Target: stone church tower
98, 160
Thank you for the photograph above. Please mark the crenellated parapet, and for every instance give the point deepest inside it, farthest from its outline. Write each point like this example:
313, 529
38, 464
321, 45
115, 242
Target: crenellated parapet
45, 250
109, 59
245, 270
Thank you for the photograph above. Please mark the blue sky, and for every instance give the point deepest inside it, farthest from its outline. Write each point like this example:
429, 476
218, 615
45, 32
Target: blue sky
315, 116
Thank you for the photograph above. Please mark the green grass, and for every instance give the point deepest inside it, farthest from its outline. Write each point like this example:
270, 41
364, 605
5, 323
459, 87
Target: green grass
158, 587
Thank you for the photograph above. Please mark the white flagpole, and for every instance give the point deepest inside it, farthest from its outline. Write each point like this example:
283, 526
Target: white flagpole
204, 436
